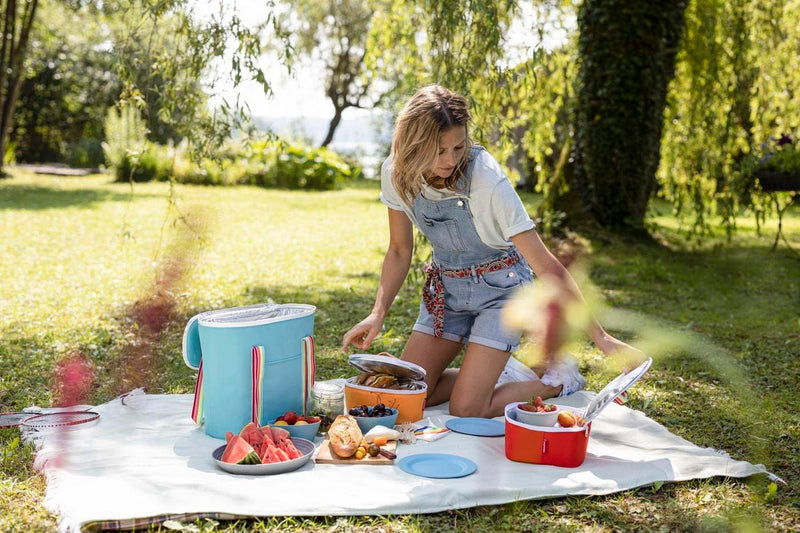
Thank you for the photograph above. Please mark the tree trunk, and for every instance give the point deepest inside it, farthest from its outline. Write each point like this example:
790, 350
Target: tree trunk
12, 55
627, 51
337, 117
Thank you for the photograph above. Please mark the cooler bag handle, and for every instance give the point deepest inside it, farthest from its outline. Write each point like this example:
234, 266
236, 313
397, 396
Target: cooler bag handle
309, 365
197, 403
256, 382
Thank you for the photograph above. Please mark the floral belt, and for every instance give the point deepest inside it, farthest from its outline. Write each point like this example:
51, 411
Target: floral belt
433, 292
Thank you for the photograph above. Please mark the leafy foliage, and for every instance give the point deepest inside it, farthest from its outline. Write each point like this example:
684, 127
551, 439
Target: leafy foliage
126, 135
268, 163
779, 155
297, 167
730, 94
15, 31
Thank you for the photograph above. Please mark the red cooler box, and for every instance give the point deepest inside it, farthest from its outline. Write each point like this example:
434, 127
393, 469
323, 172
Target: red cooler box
558, 446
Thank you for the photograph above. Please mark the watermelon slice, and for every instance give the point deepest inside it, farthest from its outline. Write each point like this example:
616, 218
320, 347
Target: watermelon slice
238, 451
266, 433
282, 455
270, 454
288, 447
228, 436
279, 434
253, 436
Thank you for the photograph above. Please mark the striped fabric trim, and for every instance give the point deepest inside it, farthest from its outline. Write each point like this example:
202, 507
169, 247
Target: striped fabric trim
197, 402
257, 376
309, 369
144, 522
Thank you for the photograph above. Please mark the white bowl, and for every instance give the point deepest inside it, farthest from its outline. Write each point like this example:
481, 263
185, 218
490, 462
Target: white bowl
548, 419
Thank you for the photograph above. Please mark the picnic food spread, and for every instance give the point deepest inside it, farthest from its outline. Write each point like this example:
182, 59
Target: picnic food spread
344, 435
537, 405
389, 391
259, 445
563, 442
388, 380
290, 418
567, 419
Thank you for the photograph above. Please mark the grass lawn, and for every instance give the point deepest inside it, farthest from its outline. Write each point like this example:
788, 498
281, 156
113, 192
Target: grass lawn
77, 253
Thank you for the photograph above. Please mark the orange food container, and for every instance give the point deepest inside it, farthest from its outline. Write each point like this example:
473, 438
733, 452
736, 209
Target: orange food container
410, 403
558, 446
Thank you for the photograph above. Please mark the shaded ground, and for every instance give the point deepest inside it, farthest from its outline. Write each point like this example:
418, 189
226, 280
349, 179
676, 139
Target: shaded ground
56, 169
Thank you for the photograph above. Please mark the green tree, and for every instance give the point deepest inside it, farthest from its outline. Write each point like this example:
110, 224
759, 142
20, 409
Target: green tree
16, 25
627, 57
336, 33
69, 83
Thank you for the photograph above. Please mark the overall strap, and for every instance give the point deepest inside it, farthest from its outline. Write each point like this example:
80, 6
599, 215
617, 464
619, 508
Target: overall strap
473, 157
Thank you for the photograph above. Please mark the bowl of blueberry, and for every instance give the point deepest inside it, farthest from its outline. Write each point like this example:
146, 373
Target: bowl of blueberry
377, 415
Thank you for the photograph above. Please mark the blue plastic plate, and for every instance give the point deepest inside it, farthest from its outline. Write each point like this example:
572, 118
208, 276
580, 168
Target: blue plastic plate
481, 427
437, 465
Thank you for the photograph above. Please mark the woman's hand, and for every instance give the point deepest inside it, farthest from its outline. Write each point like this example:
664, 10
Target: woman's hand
627, 356
362, 334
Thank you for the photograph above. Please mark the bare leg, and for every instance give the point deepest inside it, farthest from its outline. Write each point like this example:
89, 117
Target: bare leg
433, 354
474, 392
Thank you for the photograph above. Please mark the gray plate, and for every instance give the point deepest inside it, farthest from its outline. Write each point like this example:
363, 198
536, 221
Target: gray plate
306, 447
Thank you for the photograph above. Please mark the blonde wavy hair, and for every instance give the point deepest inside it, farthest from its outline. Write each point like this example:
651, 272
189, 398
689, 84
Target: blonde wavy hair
415, 142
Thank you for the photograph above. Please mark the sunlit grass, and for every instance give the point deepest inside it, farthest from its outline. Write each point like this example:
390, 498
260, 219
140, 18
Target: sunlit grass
76, 253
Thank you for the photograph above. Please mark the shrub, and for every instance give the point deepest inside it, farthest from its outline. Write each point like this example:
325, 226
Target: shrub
776, 155
86, 153
153, 163
126, 136
300, 167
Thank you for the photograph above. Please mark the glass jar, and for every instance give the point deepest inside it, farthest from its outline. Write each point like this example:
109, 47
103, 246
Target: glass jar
327, 401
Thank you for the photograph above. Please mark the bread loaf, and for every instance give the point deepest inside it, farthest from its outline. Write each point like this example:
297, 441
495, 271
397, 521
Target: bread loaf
344, 435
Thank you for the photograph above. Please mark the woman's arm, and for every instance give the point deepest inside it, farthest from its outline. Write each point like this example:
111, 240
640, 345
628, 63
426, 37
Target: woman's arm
395, 268
544, 263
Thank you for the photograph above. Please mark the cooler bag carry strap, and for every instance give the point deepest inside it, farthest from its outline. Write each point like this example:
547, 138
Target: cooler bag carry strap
309, 366
257, 381
197, 402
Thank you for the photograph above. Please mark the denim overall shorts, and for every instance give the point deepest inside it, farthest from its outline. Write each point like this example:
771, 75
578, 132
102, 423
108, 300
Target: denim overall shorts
472, 304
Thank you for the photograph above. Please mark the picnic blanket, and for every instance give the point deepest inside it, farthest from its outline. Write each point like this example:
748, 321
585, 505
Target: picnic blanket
144, 461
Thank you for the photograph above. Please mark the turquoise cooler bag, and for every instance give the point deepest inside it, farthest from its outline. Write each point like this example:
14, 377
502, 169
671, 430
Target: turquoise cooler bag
254, 363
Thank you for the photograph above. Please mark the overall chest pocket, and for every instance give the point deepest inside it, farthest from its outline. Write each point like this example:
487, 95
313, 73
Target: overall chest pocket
444, 235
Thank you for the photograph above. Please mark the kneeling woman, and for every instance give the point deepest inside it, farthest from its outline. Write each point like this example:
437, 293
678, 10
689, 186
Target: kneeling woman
484, 246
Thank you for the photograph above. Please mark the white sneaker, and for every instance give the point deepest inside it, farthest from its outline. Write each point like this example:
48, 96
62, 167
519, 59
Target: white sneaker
516, 370
565, 373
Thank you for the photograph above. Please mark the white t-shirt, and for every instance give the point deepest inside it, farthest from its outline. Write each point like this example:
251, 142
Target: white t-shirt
496, 207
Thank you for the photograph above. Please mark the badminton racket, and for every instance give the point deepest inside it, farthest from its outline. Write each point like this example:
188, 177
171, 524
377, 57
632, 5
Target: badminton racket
59, 419
12, 420
54, 419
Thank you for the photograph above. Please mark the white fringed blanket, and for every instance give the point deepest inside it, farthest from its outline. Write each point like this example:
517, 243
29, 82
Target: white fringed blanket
145, 461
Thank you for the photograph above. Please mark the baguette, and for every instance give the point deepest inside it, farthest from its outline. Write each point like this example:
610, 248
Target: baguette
345, 436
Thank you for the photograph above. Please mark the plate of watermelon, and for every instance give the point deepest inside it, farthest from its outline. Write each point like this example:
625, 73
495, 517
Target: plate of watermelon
265, 450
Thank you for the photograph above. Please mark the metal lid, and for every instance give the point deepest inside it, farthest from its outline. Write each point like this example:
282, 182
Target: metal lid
617, 386
386, 364
327, 389
254, 315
